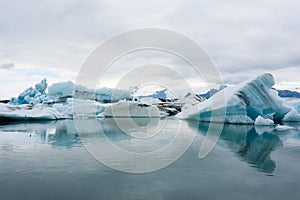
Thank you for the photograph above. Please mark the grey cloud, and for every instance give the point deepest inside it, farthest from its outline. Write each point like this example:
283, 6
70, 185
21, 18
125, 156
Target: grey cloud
7, 65
243, 38
242, 35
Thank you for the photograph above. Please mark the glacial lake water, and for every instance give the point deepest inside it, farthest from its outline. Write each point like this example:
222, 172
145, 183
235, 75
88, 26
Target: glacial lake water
50, 160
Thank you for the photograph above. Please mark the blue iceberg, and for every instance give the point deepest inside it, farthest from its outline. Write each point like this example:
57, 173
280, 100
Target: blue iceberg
103, 95
242, 103
33, 95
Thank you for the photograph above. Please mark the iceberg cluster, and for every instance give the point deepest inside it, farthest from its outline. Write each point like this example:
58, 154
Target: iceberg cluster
244, 103
251, 102
67, 100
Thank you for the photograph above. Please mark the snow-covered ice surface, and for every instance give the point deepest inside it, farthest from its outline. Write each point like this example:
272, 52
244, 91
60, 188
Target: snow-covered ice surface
30, 112
149, 100
191, 99
130, 109
152, 91
292, 116
243, 103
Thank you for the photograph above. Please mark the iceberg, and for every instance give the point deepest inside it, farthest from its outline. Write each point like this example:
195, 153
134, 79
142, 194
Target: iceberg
63, 89
154, 92
103, 95
30, 112
243, 103
33, 95
260, 121
79, 107
130, 109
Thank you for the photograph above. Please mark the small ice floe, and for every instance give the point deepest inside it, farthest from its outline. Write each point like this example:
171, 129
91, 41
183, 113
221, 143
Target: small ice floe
283, 128
260, 121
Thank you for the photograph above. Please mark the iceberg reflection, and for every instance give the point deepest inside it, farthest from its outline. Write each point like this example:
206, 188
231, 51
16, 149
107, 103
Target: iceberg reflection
60, 133
253, 145
250, 145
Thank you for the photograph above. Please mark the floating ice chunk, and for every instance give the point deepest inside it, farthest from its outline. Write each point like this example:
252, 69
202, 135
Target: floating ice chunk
130, 109
260, 121
283, 128
243, 103
30, 112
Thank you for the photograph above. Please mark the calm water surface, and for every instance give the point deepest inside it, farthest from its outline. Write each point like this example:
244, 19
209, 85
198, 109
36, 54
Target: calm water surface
48, 160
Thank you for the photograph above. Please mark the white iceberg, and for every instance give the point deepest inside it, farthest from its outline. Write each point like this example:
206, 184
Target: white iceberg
260, 121
130, 109
152, 91
30, 112
243, 103
80, 107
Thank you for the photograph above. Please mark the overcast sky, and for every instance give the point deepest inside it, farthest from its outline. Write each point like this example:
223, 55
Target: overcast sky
53, 38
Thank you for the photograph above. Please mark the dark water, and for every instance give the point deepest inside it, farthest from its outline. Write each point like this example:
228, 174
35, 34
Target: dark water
48, 160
